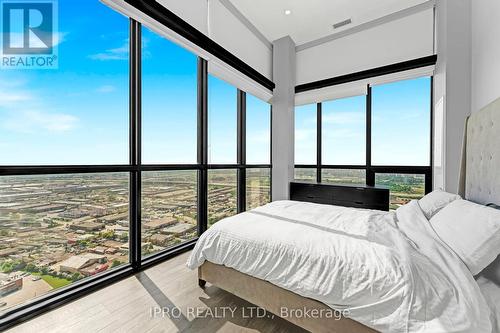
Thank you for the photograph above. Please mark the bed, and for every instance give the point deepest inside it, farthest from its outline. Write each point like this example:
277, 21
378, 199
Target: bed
410, 270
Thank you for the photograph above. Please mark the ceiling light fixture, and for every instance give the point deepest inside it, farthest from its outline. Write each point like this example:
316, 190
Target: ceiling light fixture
288, 11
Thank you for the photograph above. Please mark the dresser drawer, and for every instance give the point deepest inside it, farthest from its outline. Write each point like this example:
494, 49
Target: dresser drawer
359, 194
357, 204
310, 193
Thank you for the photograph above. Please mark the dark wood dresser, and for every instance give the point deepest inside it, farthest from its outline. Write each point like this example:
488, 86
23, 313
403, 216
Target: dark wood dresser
362, 196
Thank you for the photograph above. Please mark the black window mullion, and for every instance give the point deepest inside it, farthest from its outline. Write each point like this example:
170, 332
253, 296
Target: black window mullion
319, 141
135, 144
241, 153
202, 145
428, 181
370, 173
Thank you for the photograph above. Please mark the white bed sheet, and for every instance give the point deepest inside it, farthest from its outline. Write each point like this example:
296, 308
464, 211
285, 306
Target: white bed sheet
491, 293
388, 269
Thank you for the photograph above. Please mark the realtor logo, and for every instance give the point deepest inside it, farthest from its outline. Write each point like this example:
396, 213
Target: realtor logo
28, 31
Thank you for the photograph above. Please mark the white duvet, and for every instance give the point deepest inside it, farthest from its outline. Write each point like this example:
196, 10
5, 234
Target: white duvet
389, 269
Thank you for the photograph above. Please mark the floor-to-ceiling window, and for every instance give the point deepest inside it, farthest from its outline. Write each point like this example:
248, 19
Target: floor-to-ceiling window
381, 138
169, 138
222, 149
258, 152
61, 225
401, 127
102, 165
239, 150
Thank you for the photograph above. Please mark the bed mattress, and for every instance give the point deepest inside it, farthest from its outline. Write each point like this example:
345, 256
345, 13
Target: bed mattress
386, 270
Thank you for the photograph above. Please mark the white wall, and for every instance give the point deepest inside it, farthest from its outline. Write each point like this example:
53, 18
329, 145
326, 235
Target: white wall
467, 73
452, 84
404, 39
485, 53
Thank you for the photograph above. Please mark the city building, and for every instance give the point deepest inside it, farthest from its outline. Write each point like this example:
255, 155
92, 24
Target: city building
160, 239
87, 226
159, 223
77, 263
7, 287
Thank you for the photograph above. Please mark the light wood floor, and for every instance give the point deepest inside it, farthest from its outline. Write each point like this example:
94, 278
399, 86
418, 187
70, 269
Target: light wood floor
127, 306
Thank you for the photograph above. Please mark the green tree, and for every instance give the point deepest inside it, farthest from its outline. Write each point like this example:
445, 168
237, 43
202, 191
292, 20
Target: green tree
124, 237
108, 234
76, 276
115, 263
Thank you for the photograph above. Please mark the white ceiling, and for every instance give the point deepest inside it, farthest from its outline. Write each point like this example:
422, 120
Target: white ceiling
313, 19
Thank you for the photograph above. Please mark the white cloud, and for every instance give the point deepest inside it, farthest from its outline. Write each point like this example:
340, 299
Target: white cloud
106, 89
32, 121
119, 53
24, 112
343, 118
258, 137
343, 134
57, 38
13, 97
304, 134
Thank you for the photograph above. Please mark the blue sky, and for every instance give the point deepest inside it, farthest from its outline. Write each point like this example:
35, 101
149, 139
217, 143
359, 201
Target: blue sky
400, 127
78, 114
169, 101
401, 123
222, 125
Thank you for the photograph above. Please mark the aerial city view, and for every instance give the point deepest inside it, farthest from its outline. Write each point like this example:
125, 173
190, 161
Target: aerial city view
58, 229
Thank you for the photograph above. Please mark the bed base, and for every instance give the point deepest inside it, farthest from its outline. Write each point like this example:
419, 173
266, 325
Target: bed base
272, 298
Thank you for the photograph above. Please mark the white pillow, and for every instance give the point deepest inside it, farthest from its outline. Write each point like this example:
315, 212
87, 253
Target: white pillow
472, 231
435, 201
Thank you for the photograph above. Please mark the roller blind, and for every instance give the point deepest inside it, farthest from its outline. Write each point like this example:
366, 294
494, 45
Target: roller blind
409, 37
329, 93
405, 75
360, 87
216, 67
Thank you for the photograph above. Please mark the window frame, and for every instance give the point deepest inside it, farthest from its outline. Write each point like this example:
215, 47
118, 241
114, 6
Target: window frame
134, 168
372, 170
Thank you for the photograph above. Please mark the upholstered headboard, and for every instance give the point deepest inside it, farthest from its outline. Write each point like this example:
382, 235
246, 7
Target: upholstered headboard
480, 173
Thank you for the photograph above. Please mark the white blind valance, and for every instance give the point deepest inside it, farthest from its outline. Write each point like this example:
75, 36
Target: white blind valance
360, 87
404, 75
216, 67
129, 11
329, 93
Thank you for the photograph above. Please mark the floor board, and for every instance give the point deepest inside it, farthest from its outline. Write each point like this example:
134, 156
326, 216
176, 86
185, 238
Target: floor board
130, 305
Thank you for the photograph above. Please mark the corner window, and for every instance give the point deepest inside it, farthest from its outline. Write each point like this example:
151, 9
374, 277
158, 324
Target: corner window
397, 154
